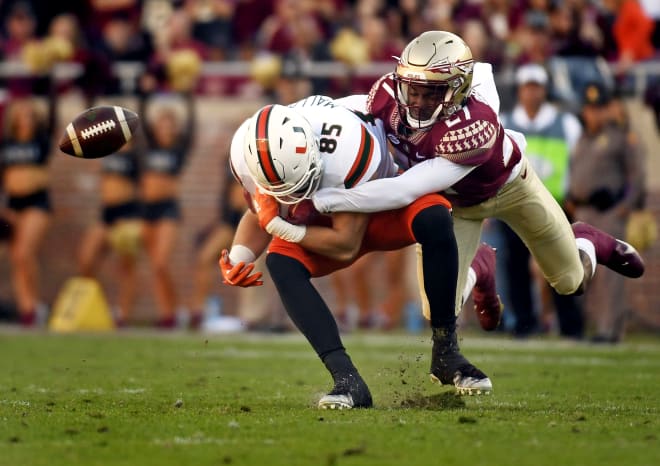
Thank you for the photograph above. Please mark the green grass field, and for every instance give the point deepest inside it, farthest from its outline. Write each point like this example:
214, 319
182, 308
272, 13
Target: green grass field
184, 399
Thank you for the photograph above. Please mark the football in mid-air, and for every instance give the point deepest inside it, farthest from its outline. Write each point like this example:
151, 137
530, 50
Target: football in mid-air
99, 131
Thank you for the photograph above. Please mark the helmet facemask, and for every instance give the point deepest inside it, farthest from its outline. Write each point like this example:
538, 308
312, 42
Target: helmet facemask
437, 99
293, 193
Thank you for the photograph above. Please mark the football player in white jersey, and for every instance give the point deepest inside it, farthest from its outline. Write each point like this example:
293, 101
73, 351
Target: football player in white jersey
282, 155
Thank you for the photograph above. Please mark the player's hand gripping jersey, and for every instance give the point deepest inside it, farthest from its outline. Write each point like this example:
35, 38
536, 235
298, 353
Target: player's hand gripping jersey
468, 156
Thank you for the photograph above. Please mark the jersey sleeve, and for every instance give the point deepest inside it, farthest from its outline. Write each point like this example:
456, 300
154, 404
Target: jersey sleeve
431, 176
483, 86
354, 102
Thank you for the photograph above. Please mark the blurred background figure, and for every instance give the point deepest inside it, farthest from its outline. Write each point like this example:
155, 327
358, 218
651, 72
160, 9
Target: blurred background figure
551, 137
212, 25
631, 30
372, 293
118, 229
168, 138
176, 61
604, 189
210, 242
24, 152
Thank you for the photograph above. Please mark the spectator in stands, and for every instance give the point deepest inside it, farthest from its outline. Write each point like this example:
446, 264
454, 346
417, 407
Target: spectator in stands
551, 135
604, 188
66, 36
632, 31
212, 23
168, 142
248, 16
19, 29
176, 62
20, 47
574, 30
24, 154
277, 33
484, 46
103, 11
118, 229
533, 38
378, 46
652, 10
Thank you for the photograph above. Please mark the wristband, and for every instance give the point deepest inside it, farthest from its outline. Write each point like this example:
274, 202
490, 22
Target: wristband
240, 253
285, 230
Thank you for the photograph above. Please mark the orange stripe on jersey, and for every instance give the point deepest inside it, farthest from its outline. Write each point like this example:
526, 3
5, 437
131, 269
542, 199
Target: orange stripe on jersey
263, 146
362, 160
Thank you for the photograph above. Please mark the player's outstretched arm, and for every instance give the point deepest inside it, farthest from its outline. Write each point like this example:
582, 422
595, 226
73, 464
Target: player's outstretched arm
431, 176
249, 242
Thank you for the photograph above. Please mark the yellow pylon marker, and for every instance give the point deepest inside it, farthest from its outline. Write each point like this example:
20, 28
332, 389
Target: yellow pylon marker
81, 306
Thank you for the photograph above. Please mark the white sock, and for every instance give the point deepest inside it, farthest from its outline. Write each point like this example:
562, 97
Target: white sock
469, 284
587, 246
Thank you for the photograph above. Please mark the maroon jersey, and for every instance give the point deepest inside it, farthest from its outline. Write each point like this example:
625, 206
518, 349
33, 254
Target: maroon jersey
472, 136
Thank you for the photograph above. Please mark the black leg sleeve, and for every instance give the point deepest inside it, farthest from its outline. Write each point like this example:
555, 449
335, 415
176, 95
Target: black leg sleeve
309, 312
433, 229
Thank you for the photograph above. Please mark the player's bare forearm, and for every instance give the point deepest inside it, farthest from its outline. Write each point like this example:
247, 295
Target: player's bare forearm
250, 234
342, 241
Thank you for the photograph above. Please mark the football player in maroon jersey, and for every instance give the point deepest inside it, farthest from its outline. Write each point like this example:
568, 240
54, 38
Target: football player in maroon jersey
445, 129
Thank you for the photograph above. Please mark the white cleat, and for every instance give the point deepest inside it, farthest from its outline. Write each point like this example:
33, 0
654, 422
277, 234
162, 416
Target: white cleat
469, 385
336, 402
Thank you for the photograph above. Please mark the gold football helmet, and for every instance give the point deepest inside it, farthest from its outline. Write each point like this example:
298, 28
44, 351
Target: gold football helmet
433, 78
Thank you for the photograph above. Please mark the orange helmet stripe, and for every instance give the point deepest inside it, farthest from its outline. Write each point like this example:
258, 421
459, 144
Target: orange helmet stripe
263, 146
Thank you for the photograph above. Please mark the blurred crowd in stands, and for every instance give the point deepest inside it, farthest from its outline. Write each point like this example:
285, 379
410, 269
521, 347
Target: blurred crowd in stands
284, 37
281, 50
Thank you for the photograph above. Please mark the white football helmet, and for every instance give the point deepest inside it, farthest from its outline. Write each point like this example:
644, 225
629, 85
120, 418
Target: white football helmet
438, 66
282, 154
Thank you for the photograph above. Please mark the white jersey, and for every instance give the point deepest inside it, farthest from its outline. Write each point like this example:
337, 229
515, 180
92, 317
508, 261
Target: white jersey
352, 145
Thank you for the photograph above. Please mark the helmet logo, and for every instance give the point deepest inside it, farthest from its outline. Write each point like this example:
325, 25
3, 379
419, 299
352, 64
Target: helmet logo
447, 67
300, 149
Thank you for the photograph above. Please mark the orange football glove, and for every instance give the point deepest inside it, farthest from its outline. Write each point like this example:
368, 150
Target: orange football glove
238, 274
266, 207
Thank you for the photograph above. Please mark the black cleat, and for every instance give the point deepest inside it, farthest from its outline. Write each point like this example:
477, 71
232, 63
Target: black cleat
450, 367
349, 392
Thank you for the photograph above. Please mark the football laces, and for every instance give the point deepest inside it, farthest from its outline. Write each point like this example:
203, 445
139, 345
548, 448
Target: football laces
98, 128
